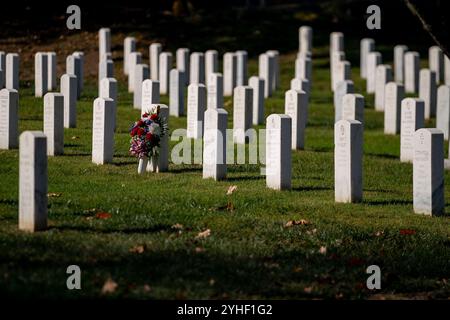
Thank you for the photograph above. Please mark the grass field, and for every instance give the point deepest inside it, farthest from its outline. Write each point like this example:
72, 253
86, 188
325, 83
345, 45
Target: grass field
148, 243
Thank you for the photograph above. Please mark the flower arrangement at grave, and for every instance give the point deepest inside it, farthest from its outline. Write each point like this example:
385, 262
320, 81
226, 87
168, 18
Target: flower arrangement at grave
146, 135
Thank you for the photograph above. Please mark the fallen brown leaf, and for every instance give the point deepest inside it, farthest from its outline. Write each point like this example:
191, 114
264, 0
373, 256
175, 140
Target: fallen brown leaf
323, 250
231, 189
103, 215
138, 249
308, 289
54, 194
203, 234
75, 138
300, 222
199, 250
407, 232
177, 226
109, 286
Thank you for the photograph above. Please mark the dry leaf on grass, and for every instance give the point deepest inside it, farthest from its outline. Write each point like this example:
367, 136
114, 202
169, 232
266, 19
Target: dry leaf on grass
138, 249
199, 250
231, 189
75, 138
300, 222
54, 194
103, 215
203, 234
323, 250
109, 286
407, 232
177, 226
308, 289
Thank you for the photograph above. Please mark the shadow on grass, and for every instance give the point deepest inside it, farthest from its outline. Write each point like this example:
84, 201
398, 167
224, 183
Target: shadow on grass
184, 169
381, 155
387, 202
244, 178
139, 230
311, 188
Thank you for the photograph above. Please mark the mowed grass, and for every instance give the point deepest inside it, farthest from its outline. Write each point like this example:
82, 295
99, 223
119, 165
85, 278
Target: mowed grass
149, 245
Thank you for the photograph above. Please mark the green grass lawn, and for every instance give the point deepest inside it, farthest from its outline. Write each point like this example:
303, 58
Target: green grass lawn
149, 245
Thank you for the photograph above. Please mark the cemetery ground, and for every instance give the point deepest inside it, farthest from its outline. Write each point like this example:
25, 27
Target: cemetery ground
147, 236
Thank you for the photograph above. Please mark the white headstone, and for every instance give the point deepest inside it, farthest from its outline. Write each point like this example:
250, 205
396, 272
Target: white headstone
215, 91
353, 107
428, 172
229, 73
278, 152
411, 72
436, 62
69, 91
9, 118
141, 73
73, 66
162, 163
214, 144
367, 45
129, 45
196, 106
197, 68
102, 131
373, 60
108, 89
134, 59
165, 65
54, 123
241, 68
266, 65
33, 181
348, 152
335, 59
443, 110
104, 41
2, 69
399, 62
150, 94
242, 113
342, 72
336, 41
257, 84
383, 75
412, 119
394, 93
303, 68
183, 62
80, 68
295, 106
305, 35
447, 70
427, 91
177, 85
211, 63
342, 89
40, 74
51, 71
275, 56
105, 69
155, 56
12, 71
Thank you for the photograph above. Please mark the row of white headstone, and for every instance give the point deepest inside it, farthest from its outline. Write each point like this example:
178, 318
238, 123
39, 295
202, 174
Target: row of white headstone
421, 146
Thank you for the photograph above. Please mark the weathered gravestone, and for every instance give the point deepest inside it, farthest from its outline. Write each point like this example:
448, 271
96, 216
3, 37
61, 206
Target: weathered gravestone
443, 110
33, 181
242, 113
215, 91
348, 151
412, 119
278, 152
69, 91
428, 172
295, 106
40, 74
394, 93
215, 144
176, 94
9, 118
54, 123
196, 106
427, 91
373, 60
257, 84
103, 131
